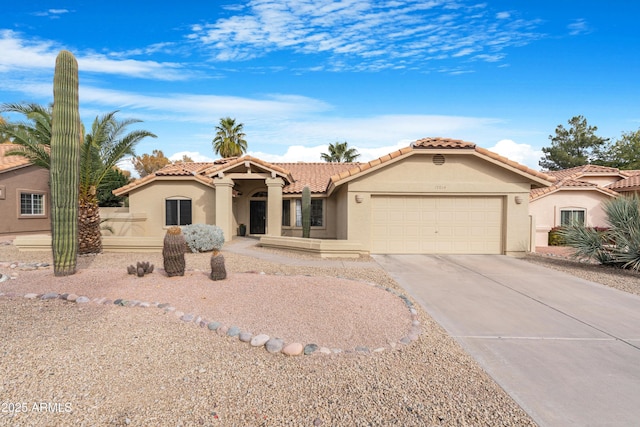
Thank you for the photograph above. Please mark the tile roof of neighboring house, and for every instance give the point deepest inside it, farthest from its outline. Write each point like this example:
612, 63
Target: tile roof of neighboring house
570, 179
436, 144
8, 163
631, 183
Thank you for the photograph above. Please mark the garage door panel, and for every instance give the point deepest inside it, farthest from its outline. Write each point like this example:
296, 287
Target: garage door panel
446, 225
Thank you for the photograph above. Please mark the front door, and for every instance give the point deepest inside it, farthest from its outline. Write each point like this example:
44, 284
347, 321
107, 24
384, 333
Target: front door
257, 216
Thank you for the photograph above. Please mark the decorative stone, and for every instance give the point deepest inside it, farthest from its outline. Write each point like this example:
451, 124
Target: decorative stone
49, 295
274, 345
222, 330
82, 300
293, 349
164, 305
415, 323
187, 317
259, 340
233, 331
325, 350
362, 349
405, 340
178, 314
31, 296
379, 350
144, 304
310, 349
117, 301
213, 325
245, 336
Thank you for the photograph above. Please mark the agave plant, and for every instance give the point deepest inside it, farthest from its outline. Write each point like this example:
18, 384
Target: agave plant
618, 245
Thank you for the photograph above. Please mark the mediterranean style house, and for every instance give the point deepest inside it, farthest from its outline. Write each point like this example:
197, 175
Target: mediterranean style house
24, 195
438, 195
577, 196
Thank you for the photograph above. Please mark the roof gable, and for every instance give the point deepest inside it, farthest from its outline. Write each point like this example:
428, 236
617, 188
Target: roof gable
442, 145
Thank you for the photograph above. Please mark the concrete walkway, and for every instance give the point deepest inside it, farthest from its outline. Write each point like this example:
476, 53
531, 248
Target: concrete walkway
567, 350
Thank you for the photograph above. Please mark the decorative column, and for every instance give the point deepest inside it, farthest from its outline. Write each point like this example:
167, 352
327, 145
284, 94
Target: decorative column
224, 206
274, 206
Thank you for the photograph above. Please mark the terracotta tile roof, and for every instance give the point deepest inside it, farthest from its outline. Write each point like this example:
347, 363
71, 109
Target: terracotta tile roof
226, 164
8, 163
438, 143
322, 175
570, 178
314, 175
631, 183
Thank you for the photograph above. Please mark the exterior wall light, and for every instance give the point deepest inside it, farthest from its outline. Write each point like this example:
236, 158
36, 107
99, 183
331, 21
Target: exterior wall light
359, 198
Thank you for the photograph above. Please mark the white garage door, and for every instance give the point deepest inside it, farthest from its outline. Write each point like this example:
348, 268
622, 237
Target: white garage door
436, 225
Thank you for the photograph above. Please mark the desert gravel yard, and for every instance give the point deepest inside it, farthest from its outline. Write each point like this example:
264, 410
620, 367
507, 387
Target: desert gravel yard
64, 363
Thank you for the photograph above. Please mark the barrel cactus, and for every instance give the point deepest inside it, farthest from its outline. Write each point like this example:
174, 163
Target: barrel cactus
306, 212
65, 165
218, 269
173, 252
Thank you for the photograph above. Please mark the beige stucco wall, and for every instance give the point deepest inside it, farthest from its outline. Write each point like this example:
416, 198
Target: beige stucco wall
462, 174
546, 210
150, 200
30, 179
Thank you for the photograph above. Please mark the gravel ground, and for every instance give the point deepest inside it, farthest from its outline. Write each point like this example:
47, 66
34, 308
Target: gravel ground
85, 364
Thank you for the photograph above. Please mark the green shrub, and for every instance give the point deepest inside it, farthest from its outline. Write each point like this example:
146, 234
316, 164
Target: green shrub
203, 237
618, 245
555, 237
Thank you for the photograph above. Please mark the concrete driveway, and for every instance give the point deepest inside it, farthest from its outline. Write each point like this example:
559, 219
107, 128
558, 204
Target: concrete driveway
567, 350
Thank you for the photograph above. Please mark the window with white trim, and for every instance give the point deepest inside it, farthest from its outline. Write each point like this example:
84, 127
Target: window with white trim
317, 207
177, 212
31, 204
572, 217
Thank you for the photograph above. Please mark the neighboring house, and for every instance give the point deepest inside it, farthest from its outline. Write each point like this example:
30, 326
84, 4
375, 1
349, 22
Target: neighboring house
577, 196
438, 196
24, 195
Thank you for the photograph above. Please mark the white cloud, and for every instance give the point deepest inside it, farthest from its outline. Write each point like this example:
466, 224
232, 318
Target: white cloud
578, 27
524, 154
194, 155
20, 53
360, 34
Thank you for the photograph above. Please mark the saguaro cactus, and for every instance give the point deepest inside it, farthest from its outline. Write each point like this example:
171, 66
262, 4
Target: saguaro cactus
173, 252
306, 212
65, 165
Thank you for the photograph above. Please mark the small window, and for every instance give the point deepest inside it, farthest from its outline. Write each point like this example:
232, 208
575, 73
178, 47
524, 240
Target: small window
31, 204
178, 211
316, 212
571, 217
286, 213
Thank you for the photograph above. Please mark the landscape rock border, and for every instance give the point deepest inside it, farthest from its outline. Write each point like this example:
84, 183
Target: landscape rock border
270, 344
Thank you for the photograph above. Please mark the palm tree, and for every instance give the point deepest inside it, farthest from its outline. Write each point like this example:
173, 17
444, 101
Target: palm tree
33, 136
229, 140
339, 152
101, 150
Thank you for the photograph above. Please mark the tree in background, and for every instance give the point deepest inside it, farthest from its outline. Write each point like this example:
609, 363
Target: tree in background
576, 146
229, 140
625, 152
147, 164
184, 159
340, 152
114, 178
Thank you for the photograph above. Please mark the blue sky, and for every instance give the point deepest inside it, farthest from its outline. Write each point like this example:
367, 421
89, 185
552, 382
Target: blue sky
302, 74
